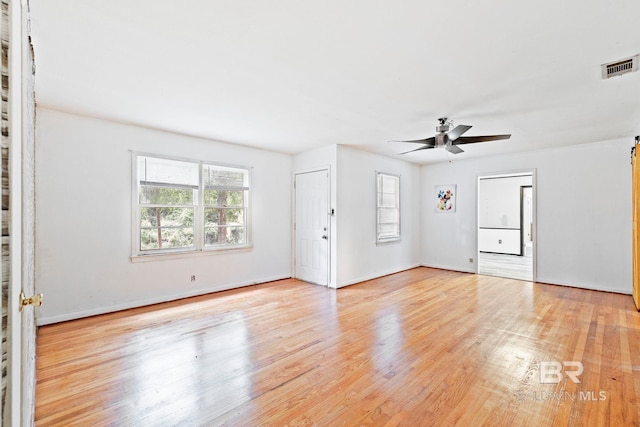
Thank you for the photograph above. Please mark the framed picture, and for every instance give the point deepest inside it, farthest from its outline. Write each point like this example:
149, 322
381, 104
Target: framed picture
446, 198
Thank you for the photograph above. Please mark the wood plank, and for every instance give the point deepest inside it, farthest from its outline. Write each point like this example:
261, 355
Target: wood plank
422, 346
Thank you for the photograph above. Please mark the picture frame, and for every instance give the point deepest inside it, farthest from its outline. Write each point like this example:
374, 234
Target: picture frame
445, 198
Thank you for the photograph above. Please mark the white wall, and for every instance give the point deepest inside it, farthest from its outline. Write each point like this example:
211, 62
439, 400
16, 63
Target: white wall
499, 203
83, 219
359, 257
583, 214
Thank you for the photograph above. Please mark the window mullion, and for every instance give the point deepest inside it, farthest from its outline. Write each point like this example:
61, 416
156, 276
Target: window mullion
199, 221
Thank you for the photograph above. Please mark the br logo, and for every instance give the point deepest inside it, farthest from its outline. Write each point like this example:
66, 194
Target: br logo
552, 372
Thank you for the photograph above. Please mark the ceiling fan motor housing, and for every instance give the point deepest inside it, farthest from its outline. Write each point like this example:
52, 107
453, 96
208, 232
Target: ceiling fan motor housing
444, 125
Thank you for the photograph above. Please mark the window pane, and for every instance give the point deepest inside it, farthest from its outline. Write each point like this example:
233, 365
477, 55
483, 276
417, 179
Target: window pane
388, 183
223, 198
233, 216
166, 195
387, 200
220, 176
224, 236
165, 171
166, 238
211, 217
235, 235
388, 230
223, 216
387, 215
211, 236
148, 239
166, 217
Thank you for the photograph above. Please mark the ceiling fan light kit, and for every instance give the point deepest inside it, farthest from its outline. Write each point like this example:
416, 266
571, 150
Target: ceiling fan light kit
451, 139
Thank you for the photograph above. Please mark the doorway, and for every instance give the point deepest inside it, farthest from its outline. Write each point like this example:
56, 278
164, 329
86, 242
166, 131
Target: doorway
311, 228
506, 224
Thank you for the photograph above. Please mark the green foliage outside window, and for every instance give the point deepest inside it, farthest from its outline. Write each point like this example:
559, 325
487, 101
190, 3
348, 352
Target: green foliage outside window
168, 209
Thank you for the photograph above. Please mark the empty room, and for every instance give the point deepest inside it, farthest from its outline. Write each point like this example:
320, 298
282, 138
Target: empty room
320, 213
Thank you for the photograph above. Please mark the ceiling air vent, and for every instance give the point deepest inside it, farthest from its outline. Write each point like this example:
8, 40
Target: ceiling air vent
619, 68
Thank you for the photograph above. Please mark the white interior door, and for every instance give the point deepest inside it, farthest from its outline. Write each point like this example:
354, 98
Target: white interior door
20, 339
312, 227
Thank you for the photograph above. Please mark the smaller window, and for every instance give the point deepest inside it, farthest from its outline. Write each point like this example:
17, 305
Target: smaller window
388, 207
167, 198
225, 205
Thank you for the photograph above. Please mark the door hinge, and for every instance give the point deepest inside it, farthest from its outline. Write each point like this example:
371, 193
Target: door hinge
35, 300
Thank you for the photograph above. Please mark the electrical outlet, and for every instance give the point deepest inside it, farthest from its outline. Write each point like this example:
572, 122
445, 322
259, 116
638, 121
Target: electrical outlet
193, 278
471, 260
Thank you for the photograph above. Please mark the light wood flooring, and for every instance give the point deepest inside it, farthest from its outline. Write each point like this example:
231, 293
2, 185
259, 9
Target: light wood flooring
422, 347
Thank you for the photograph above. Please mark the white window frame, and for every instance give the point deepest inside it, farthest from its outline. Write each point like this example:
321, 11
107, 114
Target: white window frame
380, 237
199, 247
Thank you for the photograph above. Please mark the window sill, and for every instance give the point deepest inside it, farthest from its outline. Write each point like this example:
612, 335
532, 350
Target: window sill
189, 254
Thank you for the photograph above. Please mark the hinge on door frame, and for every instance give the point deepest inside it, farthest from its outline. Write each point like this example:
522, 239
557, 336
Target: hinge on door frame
35, 300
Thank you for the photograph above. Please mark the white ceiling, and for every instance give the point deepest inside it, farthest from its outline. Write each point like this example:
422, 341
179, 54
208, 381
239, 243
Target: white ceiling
290, 75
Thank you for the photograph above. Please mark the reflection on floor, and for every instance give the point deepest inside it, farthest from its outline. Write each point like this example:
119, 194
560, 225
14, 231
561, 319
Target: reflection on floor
510, 266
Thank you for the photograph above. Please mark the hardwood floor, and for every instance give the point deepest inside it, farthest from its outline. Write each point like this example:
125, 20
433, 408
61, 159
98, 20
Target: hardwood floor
422, 347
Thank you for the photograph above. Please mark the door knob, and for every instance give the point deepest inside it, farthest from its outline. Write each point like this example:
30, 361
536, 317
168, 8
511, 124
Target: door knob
324, 237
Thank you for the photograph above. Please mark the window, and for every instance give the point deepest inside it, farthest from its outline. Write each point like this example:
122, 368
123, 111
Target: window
388, 207
225, 205
187, 205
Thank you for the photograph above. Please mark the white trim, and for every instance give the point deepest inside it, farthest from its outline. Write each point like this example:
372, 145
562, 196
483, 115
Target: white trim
449, 267
376, 276
311, 170
141, 303
583, 286
150, 257
507, 174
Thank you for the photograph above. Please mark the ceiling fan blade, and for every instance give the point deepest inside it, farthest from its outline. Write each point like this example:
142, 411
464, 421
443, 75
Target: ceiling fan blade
431, 140
453, 149
472, 139
420, 148
457, 131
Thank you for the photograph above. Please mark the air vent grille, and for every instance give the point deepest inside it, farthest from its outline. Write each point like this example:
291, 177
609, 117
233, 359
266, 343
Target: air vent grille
619, 68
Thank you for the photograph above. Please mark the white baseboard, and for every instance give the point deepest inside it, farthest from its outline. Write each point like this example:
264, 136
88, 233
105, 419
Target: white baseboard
583, 286
40, 321
449, 267
375, 276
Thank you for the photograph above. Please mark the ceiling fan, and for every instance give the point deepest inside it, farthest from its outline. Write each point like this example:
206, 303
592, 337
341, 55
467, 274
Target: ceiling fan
450, 139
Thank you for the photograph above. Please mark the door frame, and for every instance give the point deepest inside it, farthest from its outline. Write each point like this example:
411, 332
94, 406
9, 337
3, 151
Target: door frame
330, 215
534, 198
635, 221
522, 231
